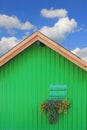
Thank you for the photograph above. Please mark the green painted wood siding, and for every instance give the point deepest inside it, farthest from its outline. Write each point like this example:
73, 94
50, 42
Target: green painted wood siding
24, 85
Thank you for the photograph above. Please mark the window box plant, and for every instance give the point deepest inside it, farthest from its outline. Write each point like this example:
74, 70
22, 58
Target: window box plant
53, 109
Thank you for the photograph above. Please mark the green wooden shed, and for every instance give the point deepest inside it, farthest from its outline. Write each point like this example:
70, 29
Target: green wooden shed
26, 73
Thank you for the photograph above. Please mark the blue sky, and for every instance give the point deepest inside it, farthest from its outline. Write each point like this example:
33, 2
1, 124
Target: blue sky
64, 21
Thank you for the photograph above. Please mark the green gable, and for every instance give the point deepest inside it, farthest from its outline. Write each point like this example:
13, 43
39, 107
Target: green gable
25, 83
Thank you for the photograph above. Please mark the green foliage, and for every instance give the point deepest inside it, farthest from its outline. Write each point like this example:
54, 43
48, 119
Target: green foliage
53, 109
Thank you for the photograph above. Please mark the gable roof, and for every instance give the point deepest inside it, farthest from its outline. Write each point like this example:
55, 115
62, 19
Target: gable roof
48, 42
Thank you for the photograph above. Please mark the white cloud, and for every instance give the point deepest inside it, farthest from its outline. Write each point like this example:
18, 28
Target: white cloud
10, 22
62, 27
54, 13
59, 30
82, 53
6, 43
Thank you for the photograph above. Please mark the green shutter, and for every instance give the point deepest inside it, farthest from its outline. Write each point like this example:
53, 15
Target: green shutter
58, 92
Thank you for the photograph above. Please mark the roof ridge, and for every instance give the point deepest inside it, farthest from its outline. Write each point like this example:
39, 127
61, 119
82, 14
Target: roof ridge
48, 42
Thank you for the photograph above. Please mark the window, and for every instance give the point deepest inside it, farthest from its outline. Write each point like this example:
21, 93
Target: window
58, 92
